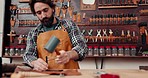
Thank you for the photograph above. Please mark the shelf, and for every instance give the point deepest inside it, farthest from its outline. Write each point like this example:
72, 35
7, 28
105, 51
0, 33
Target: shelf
116, 7
23, 1
143, 4
116, 56
107, 24
112, 44
12, 56
112, 40
26, 26
24, 13
93, 56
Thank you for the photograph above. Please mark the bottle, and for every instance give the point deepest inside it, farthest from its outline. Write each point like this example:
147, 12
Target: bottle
16, 52
102, 51
133, 50
126, 51
114, 51
120, 51
22, 51
96, 51
12, 52
90, 51
108, 51
6, 51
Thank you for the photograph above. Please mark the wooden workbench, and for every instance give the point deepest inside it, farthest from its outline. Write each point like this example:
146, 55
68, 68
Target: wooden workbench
91, 73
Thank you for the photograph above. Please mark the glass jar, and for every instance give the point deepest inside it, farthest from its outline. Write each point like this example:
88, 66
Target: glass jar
114, 51
12, 52
6, 51
90, 51
108, 51
22, 51
126, 51
120, 51
96, 51
17, 53
133, 50
102, 51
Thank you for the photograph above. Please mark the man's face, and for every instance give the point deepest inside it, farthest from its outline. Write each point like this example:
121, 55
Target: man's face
44, 13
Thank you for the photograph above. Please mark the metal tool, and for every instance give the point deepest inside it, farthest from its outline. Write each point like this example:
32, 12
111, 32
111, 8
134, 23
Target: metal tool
98, 35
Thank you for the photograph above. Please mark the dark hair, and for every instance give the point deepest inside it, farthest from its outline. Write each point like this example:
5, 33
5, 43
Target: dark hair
49, 2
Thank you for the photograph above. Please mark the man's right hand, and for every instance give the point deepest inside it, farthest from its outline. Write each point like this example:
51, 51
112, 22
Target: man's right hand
39, 65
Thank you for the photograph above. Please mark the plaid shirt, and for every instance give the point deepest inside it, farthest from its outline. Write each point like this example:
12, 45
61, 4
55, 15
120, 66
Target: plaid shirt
77, 40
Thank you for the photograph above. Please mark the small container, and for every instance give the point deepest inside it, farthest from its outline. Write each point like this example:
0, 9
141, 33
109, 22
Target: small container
96, 51
102, 51
120, 51
126, 51
133, 50
114, 51
108, 51
90, 51
19, 50
12, 52
7, 51
16, 52
22, 51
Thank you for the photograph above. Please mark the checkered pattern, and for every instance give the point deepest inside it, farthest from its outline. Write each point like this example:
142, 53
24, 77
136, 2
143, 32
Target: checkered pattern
77, 40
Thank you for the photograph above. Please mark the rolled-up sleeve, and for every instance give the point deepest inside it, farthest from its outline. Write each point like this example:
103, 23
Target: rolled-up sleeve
77, 39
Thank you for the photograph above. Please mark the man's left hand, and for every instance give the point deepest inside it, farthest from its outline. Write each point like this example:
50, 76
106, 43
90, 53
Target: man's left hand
63, 58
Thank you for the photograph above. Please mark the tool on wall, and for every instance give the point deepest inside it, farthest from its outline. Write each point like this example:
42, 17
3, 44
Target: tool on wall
22, 39
83, 32
78, 17
90, 35
64, 10
68, 3
142, 28
61, 3
146, 33
110, 35
12, 21
74, 16
70, 11
12, 35
57, 11
129, 36
104, 35
13, 9
122, 36
98, 35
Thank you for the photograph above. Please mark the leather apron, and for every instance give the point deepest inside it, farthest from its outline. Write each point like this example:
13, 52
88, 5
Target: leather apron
65, 44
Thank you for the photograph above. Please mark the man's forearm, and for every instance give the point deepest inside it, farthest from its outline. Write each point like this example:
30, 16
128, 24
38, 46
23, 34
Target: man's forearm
29, 58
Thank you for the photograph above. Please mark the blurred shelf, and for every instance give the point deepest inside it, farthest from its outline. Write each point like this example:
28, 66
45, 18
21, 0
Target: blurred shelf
143, 4
23, 1
24, 13
93, 56
116, 56
12, 56
135, 24
26, 26
117, 7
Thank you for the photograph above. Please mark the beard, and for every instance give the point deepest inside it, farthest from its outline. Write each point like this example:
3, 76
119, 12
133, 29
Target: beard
47, 21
